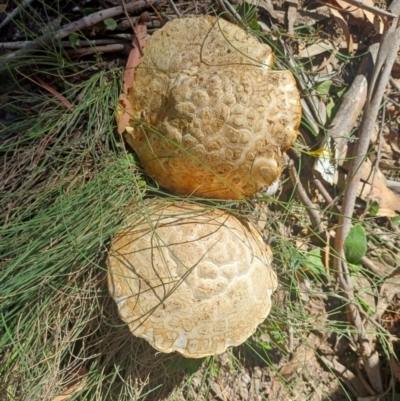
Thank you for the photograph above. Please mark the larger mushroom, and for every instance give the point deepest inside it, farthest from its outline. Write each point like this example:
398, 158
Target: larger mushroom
210, 117
189, 279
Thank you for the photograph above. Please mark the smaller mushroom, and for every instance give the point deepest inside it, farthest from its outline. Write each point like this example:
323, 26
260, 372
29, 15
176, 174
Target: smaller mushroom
189, 279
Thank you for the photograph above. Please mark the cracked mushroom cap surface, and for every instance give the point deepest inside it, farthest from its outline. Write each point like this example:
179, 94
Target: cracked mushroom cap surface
210, 116
189, 279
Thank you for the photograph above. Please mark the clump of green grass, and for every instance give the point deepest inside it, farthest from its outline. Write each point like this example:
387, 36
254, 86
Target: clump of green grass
67, 183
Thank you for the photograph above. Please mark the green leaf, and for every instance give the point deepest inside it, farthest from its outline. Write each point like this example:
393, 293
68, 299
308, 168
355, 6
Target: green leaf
355, 244
354, 269
323, 88
373, 209
331, 108
313, 261
340, 92
255, 25
395, 220
110, 23
88, 11
74, 39
265, 346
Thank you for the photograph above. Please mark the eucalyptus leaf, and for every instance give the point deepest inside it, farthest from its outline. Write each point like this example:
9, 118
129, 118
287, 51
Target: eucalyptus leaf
111, 24
355, 244
74, 40
323, 88
373, 209
313, 261
331, 109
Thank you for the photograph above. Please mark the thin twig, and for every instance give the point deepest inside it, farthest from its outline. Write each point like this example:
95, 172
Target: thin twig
387, 53
370, 265
371, 9
391, 42
233, 11
111, 48
131, 23
373, 321
393, 185
173, 6
15, 12
135, 40
352, 104
65, 43
293, 6
351, 380
66, 30
376, 162
152, 23
222, 8
390, 100
394, 84
325, 194
310, 207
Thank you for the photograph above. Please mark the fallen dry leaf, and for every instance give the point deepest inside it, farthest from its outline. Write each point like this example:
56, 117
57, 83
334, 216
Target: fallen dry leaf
349, 378
346, 32
317, 48
389, 289
303, 357
374, 187
360, 15
368, 14
63, 100
376, 20
124, 109
356, 12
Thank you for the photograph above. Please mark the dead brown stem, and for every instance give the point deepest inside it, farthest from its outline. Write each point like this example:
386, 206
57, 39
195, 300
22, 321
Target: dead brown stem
111, 48
351, 380
65, 43
352, 104
331, 202
175, 8
75, 26
387, 53
306, 201
367, 263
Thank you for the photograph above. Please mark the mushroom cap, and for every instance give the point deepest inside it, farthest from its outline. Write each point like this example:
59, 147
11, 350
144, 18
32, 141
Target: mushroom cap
210, 117
189, 279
